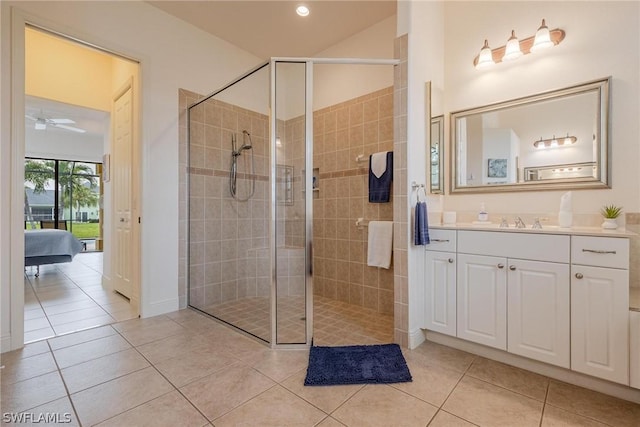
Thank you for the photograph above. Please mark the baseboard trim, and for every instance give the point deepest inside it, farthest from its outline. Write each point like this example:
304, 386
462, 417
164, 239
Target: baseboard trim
158, 308
416, 337
555, 372
5, 344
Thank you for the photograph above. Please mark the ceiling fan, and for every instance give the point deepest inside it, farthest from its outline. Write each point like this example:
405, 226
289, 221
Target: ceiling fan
42, 122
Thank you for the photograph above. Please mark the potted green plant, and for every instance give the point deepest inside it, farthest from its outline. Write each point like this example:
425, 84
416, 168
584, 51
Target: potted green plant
610, 214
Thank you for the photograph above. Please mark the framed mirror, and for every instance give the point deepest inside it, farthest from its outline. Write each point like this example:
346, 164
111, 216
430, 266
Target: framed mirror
436, 156
534, 143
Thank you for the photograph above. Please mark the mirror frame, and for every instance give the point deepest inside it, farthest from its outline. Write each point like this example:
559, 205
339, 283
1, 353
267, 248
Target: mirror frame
439, 122
601, 87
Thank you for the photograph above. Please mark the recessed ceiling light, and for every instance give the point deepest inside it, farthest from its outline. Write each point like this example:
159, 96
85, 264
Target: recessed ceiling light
302, 10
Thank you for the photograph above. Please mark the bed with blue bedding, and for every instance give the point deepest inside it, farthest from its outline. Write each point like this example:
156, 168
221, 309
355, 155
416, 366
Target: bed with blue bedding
49, 246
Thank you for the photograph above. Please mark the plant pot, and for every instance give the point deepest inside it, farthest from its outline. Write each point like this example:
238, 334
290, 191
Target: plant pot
610, 224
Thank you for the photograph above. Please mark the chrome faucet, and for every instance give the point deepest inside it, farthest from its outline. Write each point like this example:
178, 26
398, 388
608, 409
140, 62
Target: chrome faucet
520, 223
537, 224
504, 223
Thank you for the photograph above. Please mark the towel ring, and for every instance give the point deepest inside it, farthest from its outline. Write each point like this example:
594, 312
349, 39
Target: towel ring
419, 187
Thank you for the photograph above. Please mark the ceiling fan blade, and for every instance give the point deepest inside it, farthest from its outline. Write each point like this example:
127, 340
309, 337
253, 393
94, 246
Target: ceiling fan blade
61, 121
71, 128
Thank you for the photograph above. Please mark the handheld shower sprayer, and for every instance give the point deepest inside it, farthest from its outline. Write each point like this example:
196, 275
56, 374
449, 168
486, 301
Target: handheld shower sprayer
233, 171
244, 146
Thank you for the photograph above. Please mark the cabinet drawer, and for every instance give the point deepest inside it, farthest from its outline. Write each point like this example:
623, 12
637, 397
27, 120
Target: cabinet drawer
442, 240
600, 251
537, 247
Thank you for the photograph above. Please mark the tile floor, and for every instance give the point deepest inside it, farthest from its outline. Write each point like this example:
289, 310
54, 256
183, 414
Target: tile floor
186, 369
335, 322
69, 297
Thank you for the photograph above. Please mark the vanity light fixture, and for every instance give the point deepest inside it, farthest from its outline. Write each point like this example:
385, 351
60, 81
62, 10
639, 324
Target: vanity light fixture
302, 10
514, 49
555, 142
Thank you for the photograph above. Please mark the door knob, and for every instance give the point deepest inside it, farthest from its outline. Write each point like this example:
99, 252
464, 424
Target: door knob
512, 267
579, 276
500, 265
450, 260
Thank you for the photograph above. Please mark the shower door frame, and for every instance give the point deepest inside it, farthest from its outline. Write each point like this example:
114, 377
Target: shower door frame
308, 184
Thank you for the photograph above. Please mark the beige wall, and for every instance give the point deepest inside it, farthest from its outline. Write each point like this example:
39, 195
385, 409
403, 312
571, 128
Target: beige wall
64, 71
363, 125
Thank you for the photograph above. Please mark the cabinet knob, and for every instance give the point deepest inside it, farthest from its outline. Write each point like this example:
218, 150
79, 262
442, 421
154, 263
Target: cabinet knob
450, 260
579, 276
500, 265
512, 267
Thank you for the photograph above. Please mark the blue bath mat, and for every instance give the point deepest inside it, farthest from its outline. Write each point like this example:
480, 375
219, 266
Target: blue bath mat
357, 364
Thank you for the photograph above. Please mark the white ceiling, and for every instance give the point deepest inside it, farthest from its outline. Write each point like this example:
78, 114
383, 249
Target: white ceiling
93, 121
272, 28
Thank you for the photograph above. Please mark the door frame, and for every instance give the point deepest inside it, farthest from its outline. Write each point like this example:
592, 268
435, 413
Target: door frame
308, 183
14, 260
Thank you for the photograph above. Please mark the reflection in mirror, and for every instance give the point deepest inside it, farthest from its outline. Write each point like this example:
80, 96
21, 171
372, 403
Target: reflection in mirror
534, 143
436, 163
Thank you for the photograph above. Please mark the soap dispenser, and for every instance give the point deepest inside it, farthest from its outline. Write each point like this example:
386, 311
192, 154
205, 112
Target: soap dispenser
483, 216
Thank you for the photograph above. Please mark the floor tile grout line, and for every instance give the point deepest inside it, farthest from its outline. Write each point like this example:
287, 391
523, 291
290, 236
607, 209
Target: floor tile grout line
176, 388
40, 303
64, 383
505, 388
582, 415
544, 407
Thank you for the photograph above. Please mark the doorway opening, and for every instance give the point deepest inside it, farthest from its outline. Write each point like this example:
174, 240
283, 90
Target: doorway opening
70, 90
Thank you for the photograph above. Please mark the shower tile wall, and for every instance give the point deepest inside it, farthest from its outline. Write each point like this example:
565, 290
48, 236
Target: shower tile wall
228, 243
401, 225
342, 132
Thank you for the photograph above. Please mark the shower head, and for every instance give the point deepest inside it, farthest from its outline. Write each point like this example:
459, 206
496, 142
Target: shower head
246, 146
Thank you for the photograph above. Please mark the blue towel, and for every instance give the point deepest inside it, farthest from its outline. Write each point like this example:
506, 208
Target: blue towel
380, 188
421, 234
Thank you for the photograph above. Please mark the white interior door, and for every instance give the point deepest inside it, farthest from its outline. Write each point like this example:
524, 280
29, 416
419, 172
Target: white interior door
121, 166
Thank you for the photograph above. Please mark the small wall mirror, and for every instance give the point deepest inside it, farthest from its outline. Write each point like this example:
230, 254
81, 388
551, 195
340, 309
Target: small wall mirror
552, 140
436, 157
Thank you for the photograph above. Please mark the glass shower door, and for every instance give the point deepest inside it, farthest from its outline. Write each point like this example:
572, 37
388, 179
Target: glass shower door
291, 195
229, 257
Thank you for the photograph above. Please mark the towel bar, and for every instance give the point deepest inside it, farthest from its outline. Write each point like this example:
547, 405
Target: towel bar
360, 223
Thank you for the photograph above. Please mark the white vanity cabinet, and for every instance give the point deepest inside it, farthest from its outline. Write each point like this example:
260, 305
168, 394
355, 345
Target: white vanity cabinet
482, 300
538, 311
600, 307
440, 282
513, 293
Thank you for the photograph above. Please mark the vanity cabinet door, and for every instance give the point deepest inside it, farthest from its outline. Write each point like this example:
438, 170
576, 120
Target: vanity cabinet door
600, 322
538, 311
440, 292
482, 300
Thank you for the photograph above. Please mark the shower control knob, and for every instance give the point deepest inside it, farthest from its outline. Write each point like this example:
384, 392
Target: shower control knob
450, 260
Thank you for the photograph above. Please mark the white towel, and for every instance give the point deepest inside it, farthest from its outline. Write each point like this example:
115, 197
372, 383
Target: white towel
380, 244
379, 163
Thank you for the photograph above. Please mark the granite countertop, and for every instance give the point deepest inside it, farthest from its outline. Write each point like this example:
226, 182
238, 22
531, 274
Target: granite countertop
634, 299
546, 229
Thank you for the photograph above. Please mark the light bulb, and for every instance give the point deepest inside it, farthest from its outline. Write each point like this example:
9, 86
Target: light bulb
543, 38
302, 10
512, 50
485, 59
